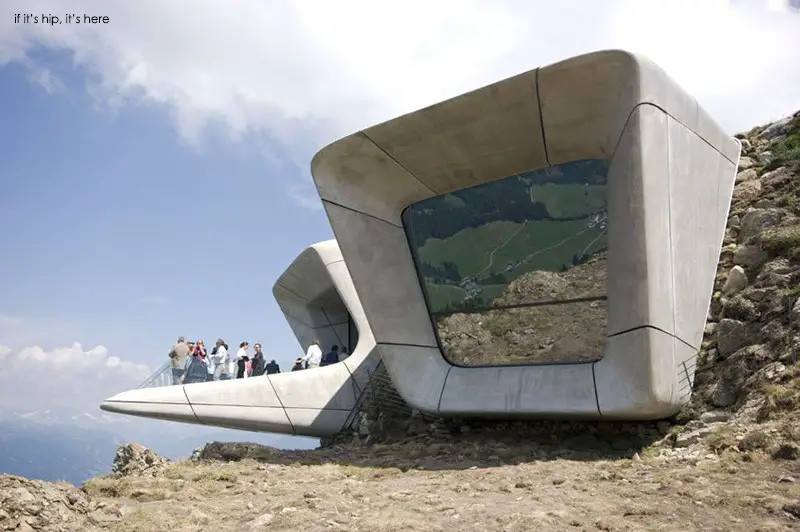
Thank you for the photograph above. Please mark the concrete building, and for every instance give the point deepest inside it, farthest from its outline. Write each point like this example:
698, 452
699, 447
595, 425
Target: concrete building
317, 297
545, 246
602, 151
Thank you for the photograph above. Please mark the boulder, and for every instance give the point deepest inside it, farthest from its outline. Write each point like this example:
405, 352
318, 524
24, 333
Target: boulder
746, 175
736, 281
776, 129
738, 367
234, 452
745, 163
690, 437
732, 335
747, 146
751, 256
739, 308
777, 273
715, 416
747, 190
755, 221
776, 178
135, 459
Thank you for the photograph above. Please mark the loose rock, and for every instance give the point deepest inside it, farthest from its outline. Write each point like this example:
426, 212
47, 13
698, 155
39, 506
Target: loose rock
776, 129
751, 257
745, 163
44, 506
746, 175
747, 190
135, 459
757, 220
736, 281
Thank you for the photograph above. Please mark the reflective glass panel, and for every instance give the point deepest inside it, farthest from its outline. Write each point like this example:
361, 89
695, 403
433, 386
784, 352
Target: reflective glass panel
514, 271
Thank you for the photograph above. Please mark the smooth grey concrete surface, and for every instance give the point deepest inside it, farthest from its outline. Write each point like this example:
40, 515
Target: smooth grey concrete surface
671, 176
316, 295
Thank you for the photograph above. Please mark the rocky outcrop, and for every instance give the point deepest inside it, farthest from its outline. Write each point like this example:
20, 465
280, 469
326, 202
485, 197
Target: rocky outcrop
134, 459
234, 452
33, 505
747, 382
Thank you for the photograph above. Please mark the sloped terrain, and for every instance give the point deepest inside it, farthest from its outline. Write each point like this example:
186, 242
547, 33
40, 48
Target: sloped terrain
464, 485
730, 461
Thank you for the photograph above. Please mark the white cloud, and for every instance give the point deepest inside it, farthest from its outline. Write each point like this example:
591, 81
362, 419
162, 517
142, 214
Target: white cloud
9, 321
33, 378
18, 331
304, 72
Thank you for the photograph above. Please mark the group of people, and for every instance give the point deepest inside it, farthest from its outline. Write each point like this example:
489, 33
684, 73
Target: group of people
192, 363
315, 359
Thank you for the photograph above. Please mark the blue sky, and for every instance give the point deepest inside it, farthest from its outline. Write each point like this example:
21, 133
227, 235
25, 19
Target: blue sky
155, 170
119, 233
133, 237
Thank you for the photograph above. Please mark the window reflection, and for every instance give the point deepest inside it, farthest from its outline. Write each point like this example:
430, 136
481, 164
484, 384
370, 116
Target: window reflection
514, 271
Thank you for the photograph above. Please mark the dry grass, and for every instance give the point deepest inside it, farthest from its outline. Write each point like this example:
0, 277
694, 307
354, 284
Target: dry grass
722, 438
781, 396
781, 242
353, 494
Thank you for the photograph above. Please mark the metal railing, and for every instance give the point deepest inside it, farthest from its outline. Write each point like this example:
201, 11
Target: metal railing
378, 396
161, 377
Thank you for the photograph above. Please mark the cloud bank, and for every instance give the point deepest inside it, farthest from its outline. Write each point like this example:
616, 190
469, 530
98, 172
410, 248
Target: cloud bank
33, 378
303, 72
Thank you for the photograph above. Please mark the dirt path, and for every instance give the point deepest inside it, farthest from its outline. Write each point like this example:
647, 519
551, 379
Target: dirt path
440, 493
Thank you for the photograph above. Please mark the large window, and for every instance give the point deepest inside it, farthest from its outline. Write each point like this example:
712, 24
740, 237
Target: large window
514, 271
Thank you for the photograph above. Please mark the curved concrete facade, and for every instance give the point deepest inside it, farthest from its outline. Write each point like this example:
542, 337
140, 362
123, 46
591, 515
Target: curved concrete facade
670, 180
317, 295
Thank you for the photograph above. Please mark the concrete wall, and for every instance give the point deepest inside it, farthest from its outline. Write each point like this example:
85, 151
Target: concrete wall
314, 402
670, 181
310, 302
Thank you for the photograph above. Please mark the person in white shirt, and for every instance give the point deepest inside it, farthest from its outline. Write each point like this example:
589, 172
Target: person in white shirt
220, 359
241, 360
313, 355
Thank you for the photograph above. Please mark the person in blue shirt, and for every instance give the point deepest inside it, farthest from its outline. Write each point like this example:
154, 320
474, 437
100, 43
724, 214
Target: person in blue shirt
331, 357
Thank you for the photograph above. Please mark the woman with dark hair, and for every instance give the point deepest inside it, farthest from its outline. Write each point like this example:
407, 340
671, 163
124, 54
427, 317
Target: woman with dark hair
200, 349
196, 367
201, 354
258, 362
241, 360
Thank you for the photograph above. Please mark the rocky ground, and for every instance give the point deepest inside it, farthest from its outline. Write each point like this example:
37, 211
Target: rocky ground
730, 461
462, 483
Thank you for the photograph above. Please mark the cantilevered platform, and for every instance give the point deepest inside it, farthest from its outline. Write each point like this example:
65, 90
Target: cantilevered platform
317, 296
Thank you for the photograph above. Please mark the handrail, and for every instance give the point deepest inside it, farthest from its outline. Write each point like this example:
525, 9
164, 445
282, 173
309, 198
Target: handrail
158, 373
